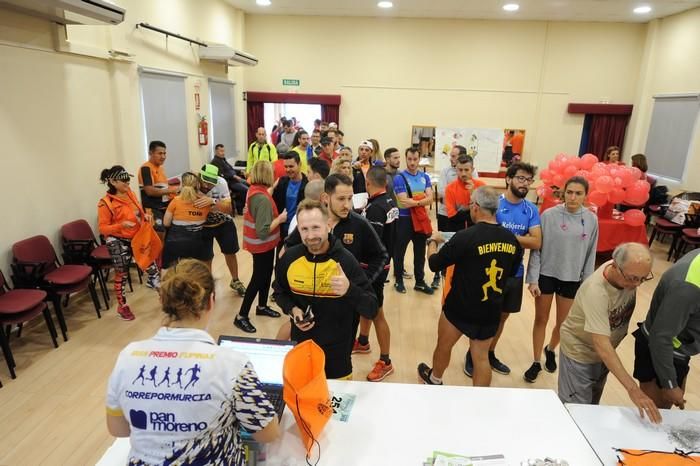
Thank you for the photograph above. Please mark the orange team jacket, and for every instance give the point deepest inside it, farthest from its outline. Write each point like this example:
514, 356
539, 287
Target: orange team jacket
185, 213
113, 210
457, 194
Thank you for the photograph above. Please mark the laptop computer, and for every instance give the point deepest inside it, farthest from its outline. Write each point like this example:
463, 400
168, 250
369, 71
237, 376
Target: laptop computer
267, 357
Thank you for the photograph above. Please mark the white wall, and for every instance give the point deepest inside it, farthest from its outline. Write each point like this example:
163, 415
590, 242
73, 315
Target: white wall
671, 65
66, 116
395, 73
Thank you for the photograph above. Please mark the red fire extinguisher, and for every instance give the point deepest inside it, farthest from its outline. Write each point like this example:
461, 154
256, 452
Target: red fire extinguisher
203, 131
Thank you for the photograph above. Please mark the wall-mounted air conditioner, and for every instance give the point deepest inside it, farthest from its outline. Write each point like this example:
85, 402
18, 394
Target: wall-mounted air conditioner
70, 11
224, 53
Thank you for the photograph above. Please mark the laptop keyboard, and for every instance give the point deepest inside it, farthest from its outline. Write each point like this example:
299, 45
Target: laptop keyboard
274, 395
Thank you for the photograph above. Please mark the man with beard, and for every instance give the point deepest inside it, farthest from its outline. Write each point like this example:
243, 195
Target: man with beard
320, 285
300, 146
521, 217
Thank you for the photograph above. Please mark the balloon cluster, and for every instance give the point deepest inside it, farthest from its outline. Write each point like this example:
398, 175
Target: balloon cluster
608, 183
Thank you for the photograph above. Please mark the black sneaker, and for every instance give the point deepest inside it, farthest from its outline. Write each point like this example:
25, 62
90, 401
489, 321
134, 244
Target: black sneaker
532, 373
497, 365
423, 288
399, 286
266, 311
424, 373
244, 324
550, 360
468, 365
436, 282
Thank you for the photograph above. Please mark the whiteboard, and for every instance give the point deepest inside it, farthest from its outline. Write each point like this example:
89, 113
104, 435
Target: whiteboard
485, 145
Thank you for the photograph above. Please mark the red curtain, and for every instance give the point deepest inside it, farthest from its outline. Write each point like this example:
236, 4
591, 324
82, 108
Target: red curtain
330, 113
256, 119
606, 131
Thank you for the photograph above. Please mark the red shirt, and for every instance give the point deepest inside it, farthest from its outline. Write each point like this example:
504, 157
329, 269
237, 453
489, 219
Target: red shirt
278, 168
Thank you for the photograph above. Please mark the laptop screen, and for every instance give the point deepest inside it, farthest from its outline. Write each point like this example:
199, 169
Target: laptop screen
267, 358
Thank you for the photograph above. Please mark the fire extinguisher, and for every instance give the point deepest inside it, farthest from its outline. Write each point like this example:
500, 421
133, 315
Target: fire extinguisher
203, 131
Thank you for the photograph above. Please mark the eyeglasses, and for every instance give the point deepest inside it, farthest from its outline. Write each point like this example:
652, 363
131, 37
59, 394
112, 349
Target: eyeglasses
633, 279
524, 179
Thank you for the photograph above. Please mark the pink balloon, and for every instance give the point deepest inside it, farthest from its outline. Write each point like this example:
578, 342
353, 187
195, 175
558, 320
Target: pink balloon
556, 166
637, 173
569, 171
583, 174
604, 184
597, 170
560, 157
588, 160
616, 196
558, 180
627, 177
641, 185
636, 197
546, 175
598, 198
634, 218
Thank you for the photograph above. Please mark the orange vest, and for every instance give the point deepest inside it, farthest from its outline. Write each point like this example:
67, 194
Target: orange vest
251, 242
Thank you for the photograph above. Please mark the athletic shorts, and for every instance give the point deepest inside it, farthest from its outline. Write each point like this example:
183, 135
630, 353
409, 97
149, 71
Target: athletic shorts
513, 295
463, 321
551, 285
378, 286
226, 235
185, 243
443, 222
580, 382
644, 368
158, 215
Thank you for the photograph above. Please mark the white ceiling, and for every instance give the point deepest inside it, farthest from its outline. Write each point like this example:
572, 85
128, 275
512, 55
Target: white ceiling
554, 10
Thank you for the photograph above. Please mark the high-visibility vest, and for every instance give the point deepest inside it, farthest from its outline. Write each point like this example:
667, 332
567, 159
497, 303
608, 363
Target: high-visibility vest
251, 242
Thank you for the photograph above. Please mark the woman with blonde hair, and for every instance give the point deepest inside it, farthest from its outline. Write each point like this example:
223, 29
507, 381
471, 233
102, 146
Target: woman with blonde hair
184, 219
342, 165
261, 234
182, 362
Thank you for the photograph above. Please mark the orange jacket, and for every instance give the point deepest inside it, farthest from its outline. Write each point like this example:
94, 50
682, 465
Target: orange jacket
113, 210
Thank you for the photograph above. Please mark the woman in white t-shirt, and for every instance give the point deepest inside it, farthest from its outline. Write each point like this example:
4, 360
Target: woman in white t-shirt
180, 397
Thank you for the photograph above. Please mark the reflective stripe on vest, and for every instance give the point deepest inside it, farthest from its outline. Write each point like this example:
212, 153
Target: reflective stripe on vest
251, 241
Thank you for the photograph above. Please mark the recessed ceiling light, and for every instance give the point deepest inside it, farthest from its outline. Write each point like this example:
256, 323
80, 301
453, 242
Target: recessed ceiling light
511, 7
263, 2
640, 10
385, 4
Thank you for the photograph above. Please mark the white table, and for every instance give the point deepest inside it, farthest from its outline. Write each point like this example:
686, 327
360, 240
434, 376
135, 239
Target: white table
609, 427
401, 424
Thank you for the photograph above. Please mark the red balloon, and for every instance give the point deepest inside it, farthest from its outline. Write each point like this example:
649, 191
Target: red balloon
560, 156
616, 196
604, 184
569, 171
558, 180
584, 174
588, 160
598, 198
642, 185
597, 170
627, 176
636, 197
637, 173
634, 217
546, 175
556, 166
544, 192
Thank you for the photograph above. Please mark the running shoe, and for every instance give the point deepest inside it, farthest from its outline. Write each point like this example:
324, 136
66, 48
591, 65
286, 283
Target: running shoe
266, 311
244, 324
424, 373
532, 373
550, 360
497, 365
237, 286
125, 313
380, 371
357, 348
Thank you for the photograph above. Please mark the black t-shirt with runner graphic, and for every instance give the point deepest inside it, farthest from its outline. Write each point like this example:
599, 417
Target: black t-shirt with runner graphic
382, 213
484, 256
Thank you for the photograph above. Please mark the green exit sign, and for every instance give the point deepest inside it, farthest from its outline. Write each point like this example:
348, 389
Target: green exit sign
290, 82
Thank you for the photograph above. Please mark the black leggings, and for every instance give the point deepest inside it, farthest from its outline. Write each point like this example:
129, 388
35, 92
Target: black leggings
404, 235
263, 265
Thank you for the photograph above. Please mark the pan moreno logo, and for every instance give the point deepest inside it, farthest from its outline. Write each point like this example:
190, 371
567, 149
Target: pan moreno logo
162, 422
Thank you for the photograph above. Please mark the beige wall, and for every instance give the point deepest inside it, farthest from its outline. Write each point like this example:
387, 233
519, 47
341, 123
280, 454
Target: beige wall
393, 74
66, 116
671, 65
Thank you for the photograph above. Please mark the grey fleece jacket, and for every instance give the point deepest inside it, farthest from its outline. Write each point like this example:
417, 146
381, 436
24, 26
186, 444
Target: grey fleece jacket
568, 246
673, 323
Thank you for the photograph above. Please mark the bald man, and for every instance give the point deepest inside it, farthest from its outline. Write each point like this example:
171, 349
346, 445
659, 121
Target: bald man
596, 325
260, 149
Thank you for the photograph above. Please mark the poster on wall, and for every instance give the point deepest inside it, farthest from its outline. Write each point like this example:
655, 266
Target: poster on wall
485, 145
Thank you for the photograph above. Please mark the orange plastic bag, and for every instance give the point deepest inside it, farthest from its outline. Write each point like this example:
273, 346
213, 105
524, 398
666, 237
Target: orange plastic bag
420, 217
654, 458
146, 246
306, 390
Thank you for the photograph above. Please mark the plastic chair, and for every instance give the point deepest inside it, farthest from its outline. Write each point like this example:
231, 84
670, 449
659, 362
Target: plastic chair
80, 247
17, 307
35, 265
689, 236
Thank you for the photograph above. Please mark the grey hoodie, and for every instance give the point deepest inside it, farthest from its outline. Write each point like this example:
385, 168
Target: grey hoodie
568, 246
